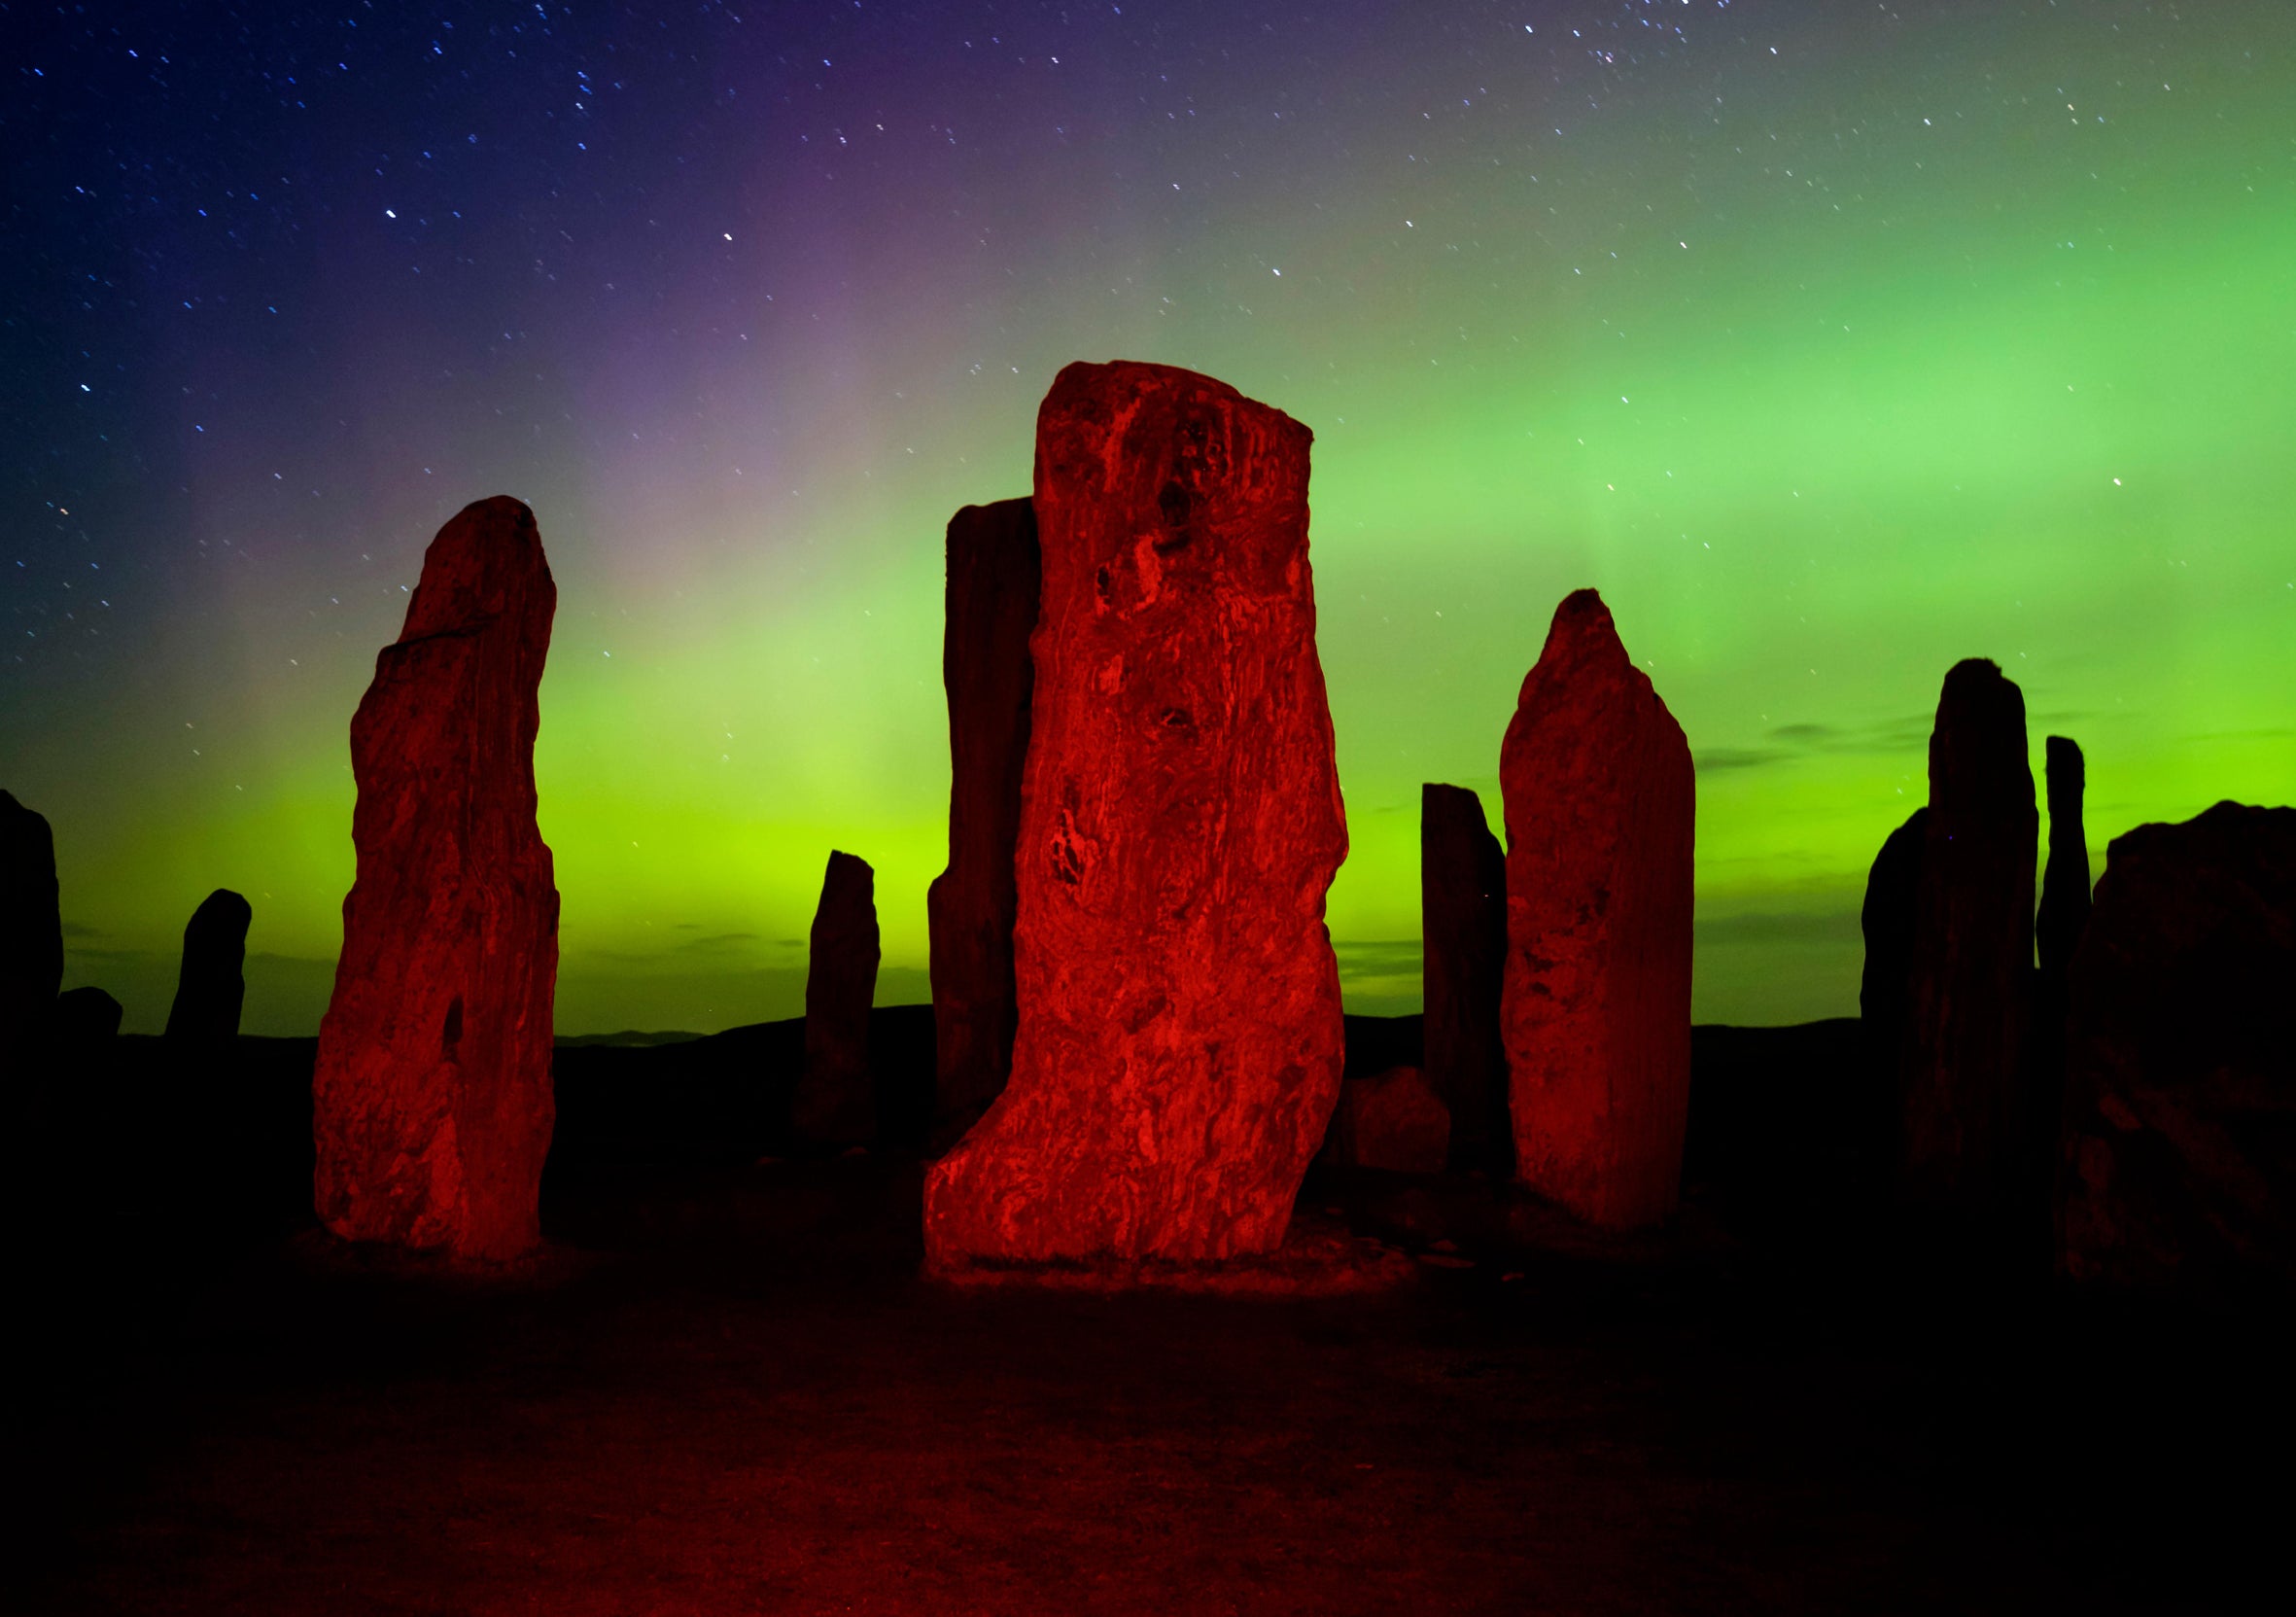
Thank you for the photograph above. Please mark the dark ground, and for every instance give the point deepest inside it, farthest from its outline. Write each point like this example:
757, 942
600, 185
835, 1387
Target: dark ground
726, 1389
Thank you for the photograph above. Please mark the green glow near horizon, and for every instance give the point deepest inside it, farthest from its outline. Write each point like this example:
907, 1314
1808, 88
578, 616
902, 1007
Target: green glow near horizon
2025, 395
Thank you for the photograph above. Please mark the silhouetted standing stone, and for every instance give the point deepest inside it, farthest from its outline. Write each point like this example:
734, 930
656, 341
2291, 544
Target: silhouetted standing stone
31, 932
1463, 938
83, 1018
1392, 1120
1963, 1078
835, 1104
432, 1099
1892, 898
992, 609
2065, 886
209, 986
1181, 1039
2179, 1166
1600, 804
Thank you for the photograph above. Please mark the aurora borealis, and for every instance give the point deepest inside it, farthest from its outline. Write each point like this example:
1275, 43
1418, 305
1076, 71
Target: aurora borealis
1832, 342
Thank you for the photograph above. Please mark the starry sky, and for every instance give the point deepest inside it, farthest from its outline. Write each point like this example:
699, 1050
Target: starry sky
1833, 341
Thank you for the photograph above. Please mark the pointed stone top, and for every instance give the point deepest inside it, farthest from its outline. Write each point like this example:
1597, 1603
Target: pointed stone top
1583, 649
487, 556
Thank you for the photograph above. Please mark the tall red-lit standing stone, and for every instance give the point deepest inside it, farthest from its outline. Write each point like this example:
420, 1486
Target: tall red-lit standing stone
1179, 1045
1600, 804
992, 608
835, 1103
1964, 1083
31, 932
432, 1099
1463, 941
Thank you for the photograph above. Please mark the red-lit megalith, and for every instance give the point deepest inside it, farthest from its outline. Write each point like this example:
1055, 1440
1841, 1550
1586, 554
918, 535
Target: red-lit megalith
1179, 1041
1600, 804
432, 1097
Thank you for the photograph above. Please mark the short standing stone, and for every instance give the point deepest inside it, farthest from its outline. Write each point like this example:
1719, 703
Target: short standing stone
432, 1098
1463, 933
83, 1017
1964, 1079
835, 1103
992, 609
1600, 803
31, 932
1393, 1120
210, 987
2180, 1166
1180, 1038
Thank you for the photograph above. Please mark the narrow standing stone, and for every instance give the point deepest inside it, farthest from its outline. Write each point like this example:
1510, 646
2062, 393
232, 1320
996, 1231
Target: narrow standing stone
1964, 1083
432, 1098
835, 1103
31, 932
991, 610
210, 986
1600, 803
1463, 955
1180, 1041
1892, 898
2065, 886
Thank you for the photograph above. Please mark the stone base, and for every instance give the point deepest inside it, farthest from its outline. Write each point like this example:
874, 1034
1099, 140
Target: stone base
1318, 1258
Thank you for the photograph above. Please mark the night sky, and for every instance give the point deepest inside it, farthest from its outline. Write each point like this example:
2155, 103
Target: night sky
1831, 341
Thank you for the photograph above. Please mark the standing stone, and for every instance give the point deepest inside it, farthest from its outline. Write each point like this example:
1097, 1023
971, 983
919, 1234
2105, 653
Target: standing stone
432, 1098
31, 932
835, 1104
1963, 1074
1463, 963
2065, 885
1892, 898
2180, 1166
83, 1018
1600, 802
992, 608
209, 987
1180, 1038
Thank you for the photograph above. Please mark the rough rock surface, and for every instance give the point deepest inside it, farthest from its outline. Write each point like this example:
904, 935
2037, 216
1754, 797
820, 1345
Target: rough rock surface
1179, 1045
1963, 1083
2179, 1160
991, 610
210, 986
1600, 807
1463, 931
31, 930
1393, 1120
432, 1093
835, 1102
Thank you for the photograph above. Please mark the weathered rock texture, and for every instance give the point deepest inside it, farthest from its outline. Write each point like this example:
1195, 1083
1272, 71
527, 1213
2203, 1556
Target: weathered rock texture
431, 1094
992, 609
1179, 1045
210, 987
1463, 933
1393, 1120
2179, 1164
1600, 803
31, 932
835, 1102
2065, 885
1963, 1078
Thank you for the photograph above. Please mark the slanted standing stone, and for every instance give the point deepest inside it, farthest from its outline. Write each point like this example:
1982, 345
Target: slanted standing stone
1179, 1044
432, 1098
1893, 896
2179, 1168
835, 1104
1600, 803
31, 932
1463, 933
992, 609
210, 987
1963, 1076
